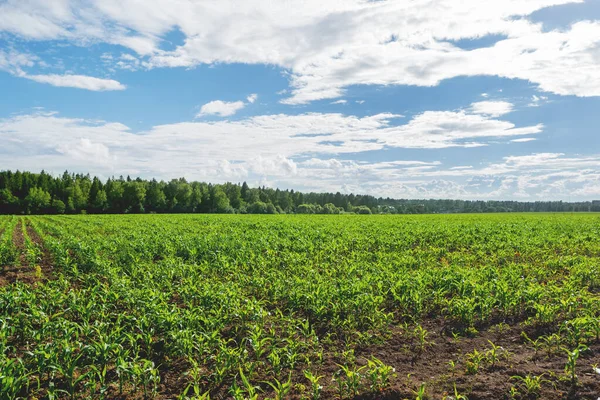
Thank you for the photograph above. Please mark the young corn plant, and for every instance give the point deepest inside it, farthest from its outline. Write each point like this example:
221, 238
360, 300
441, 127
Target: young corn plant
494, 354
349, 380
195, 374
379, 374
537, 344
281, 389
456, 395
552, 343
68, 365
315, 386
528, 386
421, 392
14, 378
421, 336
474, 362
145, 374
249, 390
572, 357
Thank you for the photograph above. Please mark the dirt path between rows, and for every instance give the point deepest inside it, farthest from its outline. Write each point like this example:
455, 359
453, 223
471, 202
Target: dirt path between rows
46, 261
22, 271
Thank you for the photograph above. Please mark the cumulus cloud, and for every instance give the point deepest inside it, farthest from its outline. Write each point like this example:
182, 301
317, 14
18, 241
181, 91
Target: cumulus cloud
327, 47
342, 101
492, 108
277, 136
221, 108
308, 152
86, 150
252, 98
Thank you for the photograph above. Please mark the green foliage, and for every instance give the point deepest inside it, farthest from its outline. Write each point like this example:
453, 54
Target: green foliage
254, 306
38, 200
81, 192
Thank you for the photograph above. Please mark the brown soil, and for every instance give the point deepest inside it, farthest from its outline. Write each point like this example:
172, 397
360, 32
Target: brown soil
46, 261
23, 272
491, 382
431, 367
19, 242
14, 273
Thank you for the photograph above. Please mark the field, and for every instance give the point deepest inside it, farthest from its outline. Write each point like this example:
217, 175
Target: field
300, 307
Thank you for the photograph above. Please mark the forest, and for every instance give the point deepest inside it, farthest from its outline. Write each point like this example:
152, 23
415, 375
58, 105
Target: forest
42, 193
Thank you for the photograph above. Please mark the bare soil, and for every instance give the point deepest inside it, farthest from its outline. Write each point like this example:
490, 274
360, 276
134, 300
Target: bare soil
46, 261
23, 272
430, 367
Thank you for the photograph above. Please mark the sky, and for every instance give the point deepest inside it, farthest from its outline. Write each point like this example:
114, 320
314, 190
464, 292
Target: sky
470, 99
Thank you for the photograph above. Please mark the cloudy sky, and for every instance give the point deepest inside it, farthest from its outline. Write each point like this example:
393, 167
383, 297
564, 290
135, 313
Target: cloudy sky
476, 99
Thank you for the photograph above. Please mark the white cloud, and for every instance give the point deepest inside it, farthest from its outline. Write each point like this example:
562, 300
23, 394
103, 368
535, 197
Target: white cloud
12, 61
305, 152
523, 140
342, 101
536, 101
492, 108
327, 47
276, 137
86, 150
252, 98
78, 82
273, 166
221, 108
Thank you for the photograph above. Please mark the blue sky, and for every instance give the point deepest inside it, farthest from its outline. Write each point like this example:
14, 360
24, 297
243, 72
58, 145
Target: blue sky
496, 100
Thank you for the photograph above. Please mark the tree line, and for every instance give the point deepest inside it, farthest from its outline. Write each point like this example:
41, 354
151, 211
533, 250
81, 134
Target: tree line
42, 193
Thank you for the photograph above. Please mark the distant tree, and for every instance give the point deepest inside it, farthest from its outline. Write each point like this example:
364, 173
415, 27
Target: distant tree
305, 209
252, 196
156, 200
8, 202
79, 198
100, 201
234, 194
362, 210
244, 190
330, 208
271, 209
220, 200
58, 206
195, 198
134, 194
79, 193
114, 193
38, 200
257, 207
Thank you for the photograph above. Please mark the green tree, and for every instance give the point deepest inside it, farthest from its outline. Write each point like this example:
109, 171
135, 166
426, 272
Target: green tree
220, 200
100, 202
38, 200
8, 202
58, 206
155, 197
134, 194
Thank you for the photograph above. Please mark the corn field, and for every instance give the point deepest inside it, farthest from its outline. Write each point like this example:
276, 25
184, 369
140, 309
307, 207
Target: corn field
501, 306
